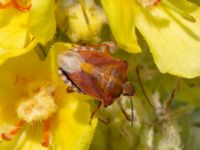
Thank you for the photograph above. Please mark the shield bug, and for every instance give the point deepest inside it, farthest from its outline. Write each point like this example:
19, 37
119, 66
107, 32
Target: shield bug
95, 73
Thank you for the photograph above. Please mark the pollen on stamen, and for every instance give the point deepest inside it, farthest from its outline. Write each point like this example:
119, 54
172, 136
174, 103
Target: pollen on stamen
37, 108
5, 4
147, 3
6, 128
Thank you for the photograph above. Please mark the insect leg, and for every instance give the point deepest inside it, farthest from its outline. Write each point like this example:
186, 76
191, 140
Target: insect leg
9, 136
94, 112
107, 121
132, 115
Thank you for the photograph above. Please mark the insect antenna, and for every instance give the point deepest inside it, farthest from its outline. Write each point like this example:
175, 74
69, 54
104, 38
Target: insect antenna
132, 114
142, 87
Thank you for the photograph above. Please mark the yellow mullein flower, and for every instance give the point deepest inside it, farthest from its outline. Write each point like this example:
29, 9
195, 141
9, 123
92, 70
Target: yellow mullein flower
171, 28
36, 113
24, 23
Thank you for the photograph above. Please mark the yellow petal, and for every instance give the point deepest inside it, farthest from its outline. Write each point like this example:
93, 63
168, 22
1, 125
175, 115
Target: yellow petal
173, 40
15, 75
42, 20
20, 32
28, 139
59, 47
13, 35
13, 52
73, 130
53, 55
18, 72
121, 20
70, 126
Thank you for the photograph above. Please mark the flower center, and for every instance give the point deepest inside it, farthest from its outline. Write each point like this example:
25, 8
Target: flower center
147, 3
37, 108
21, 5
40, 106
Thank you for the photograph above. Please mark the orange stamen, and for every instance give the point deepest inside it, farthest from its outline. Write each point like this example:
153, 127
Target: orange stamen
21, 8
9, 136
46, 138
15, 3
158, 1
6, 5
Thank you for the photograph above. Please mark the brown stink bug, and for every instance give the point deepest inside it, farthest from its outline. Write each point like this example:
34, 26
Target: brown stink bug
95, 73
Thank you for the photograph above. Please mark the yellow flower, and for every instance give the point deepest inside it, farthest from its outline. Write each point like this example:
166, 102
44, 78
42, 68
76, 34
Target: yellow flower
23, 24
171, 29
35, 108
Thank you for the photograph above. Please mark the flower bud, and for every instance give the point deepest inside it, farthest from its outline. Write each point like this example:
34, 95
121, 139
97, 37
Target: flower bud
80, 23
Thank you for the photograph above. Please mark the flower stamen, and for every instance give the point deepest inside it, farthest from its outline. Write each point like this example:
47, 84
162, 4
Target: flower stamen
20, 7
148, 3
39, 107
6, 5
17, 5
9, 136
46, 139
